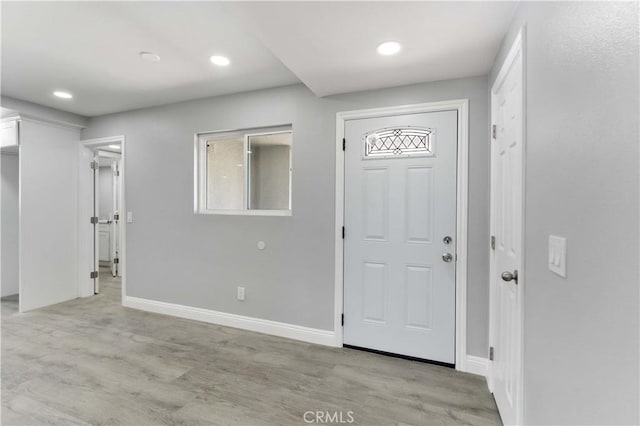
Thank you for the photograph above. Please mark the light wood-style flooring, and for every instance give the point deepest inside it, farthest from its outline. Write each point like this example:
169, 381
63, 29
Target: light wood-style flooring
91, 361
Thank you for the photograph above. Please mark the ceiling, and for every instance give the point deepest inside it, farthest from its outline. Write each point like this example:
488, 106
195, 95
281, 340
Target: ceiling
91, 49
334, 48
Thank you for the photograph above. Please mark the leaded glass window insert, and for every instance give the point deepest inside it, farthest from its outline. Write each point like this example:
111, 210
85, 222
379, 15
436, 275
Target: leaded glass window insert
398, 142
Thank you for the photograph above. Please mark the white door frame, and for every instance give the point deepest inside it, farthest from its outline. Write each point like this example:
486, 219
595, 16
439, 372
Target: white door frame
95, 143
517, 48
462, 107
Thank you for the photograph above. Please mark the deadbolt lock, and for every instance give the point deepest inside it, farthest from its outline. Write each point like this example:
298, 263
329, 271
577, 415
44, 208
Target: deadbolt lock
447, 240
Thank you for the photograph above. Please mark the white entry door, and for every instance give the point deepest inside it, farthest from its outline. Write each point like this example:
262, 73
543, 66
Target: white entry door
400, 233
507, 164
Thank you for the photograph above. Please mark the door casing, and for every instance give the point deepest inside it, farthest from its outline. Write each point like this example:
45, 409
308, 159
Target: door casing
517, 48
462, 107
96, 143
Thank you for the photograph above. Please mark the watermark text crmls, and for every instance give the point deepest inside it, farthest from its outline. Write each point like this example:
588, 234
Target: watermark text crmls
328, 417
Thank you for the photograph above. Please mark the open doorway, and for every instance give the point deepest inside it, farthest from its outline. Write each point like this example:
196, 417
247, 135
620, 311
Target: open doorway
9, 235
101, 205
108, 188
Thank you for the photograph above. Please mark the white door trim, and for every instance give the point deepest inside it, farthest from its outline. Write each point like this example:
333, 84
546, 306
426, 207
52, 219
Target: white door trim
517, 48
462, 107
94, 143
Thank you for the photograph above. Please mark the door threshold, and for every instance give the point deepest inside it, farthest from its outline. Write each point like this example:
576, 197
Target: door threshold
407, 357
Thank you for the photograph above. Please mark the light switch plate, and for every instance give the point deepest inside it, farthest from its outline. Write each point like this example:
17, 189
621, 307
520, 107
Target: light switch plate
558, 255
129, 217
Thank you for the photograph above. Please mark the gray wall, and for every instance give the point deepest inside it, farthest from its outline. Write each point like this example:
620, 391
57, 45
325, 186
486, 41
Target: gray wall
105, 193
206, 256
49, 166
581, 333
9, 225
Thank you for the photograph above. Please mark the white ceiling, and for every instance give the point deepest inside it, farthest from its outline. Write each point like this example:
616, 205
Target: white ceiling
331, 46
91, 48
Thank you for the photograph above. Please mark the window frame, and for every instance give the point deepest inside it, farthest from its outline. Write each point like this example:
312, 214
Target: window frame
201, 169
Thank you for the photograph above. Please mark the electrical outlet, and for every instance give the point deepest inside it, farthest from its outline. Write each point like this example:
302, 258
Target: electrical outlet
240, 293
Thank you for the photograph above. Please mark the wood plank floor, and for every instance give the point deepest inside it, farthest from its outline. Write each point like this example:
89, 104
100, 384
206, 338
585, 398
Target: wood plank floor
91, 361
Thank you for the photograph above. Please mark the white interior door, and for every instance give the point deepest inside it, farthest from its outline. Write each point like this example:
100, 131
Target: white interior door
400, 233
119, 223
88, 237
114, 220
507, 209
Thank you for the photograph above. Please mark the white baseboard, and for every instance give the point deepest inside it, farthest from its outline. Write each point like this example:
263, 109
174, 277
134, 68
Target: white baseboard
291, 331
477, 365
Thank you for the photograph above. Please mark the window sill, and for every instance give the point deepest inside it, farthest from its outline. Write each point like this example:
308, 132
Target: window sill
247, 212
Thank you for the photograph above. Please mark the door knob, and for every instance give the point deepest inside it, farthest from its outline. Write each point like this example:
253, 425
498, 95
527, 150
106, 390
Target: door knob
447, 257
508, 276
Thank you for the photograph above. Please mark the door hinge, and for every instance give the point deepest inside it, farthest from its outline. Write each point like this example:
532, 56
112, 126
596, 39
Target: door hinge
93, 274
116, 216
94, 165
344, 144
342, 319
491, 353
343, 232
116, 173
93, 219
494, 131
116, 260
493, 242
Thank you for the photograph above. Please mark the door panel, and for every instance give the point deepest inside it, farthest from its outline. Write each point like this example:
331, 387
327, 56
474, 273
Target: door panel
376, 199
507, 163
418, 205
418, 297
114, 222
88, 238
374, 292
400, 202
85, 227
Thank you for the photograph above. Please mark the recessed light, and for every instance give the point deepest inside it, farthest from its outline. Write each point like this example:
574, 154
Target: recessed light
114, 146
221, 61
389, 48
63, 95
149, 57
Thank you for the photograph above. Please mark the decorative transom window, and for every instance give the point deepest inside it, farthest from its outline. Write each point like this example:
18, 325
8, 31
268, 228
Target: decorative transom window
398, 142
